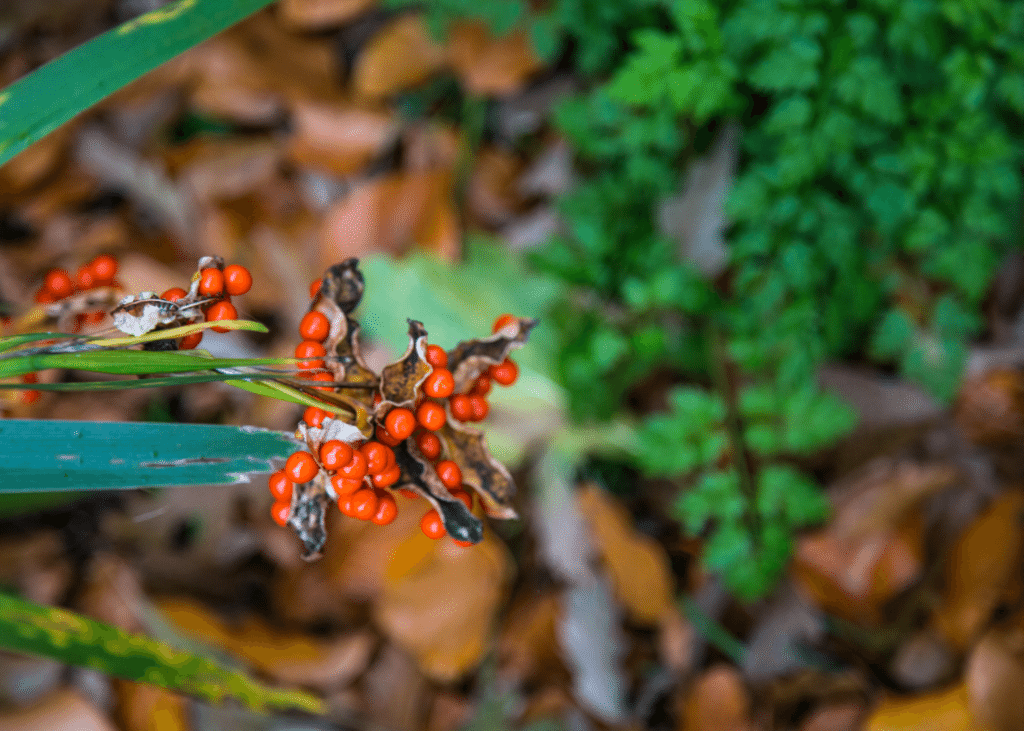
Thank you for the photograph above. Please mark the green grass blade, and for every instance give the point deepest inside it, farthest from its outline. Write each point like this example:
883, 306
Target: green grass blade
39, 103
130, 362
72, 638
13, 341
41, 455
127, 384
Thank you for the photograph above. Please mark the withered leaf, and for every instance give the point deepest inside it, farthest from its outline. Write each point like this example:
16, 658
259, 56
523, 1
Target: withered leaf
418, 472
468, 449
470, 358
401, 380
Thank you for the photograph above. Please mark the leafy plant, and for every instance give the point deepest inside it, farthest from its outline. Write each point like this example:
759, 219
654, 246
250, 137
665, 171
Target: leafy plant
879, 178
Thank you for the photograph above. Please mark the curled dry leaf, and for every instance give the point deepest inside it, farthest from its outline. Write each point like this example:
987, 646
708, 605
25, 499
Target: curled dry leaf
467, 447
718, 701
487, 64
401, 380
994, 677
984, 562
402, 55
470, 358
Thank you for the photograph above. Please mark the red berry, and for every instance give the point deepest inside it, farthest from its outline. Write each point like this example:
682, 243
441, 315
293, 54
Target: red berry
464, 496
462, 544
30, 397
308, 350
211, 282
314, 416
502, 321
222, 310
461, 406
400, 423
237, 279
190, 341
280, 511
104, 269
44, 297
173, 294
436, 356
481, 386
432, 525
335, 454
429, 444
314, 326
323, 377
30, 377
301, 467
505, 372
364, 504
431, 416
281, 486
383, 436
85, 279
345, 485
314, 288
355, 468
94, 318
345, 504
388, 477
387, 508
449, 474
59, 283
376, 457
479, 408
439, 384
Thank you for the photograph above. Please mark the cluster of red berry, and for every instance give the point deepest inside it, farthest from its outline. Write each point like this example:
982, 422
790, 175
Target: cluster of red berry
215, 287
58, 284
360, 476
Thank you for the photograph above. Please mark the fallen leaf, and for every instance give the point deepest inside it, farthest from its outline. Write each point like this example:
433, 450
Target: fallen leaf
994, 677
148, 708
636, 564
321, 14
717, 701
990, 407
527, 648
835, 717
492, 196
401, 55
984, 561
489, 65
62, 709
944, 710
335, 138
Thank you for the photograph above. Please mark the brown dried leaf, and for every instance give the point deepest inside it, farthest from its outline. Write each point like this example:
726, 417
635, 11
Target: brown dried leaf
994, 677
418, 473
990, 407
402, 55
984, 561
944, 710
62, 709
718, 701
487, 64
637, 565
338, 139
467, 447
148, 708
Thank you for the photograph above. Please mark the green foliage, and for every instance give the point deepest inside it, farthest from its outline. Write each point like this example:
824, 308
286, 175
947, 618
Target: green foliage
878, 185
77, 640
37, 104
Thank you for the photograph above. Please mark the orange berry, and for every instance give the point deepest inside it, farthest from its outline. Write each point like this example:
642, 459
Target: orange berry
211, 282
449, 474
439, 384
314, 326
505, 372
345, 504
323, 377
387, 508
376, 457
383, 436
464, 496
364, 504
59, 283
43, 296
400, 423
314, 416
431, 416
462, 544
432, 525
237, 279
334, 454
314, 288
104, 269
479, 407
481, 386
85, 279
310, 349
301, 467
502, 321
32, 377
355, 468
30, 397
173, 294
281, 486
345, 485
280, 511
222, 310
461, 406
388, 477
190, 341
436, 356
429, 444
